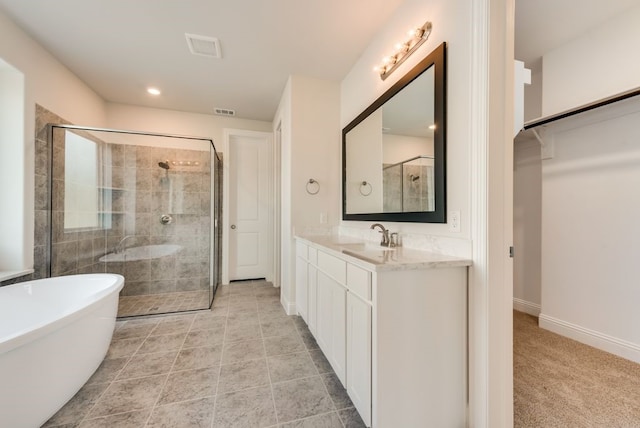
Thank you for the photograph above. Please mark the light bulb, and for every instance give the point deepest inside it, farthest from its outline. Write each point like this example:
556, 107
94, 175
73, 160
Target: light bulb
153, 91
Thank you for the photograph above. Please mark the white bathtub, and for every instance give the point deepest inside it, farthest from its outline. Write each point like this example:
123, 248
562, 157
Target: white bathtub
54, 333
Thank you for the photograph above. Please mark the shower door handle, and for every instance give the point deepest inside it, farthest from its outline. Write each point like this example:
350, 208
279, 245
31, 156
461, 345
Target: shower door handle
233, 226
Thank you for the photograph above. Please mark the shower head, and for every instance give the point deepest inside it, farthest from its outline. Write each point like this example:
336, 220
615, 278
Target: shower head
164, 165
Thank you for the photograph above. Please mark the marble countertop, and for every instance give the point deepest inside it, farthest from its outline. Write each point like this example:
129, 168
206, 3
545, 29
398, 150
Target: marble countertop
374, 257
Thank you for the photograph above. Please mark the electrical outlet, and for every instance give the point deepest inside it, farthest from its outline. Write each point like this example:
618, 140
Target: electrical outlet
323, 218
454, 221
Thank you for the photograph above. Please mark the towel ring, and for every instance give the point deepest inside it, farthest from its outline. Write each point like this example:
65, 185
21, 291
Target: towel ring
364, 186
312, 184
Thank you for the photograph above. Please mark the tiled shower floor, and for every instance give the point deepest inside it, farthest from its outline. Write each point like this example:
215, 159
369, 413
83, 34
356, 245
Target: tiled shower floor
243, 364
150, 304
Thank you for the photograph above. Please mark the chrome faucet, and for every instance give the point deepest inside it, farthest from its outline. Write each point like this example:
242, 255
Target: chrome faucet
120, 247
385, 234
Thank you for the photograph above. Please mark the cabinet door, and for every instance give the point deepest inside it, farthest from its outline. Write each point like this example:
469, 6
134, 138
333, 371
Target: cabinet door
301, 288
331, 326
359, 355
324, 317
339, 346
312, 308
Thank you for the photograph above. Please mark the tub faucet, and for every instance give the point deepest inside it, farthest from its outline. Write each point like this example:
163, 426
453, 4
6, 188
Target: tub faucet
121, 247
385, 234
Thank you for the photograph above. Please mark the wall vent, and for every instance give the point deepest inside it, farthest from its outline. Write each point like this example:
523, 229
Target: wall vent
224, 111
205, 46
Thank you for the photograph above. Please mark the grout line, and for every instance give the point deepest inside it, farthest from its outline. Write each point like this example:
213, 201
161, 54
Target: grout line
155, 403
215, 401
129, 358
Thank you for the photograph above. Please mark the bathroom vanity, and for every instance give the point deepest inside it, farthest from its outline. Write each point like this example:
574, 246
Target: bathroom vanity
392, 322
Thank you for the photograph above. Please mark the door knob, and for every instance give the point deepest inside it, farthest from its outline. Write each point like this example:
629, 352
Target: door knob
233, 226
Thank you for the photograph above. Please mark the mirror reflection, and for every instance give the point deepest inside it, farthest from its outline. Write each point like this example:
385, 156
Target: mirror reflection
394, 151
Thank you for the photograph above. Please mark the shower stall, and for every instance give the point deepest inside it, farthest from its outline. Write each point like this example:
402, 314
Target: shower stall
408, 185
143, 205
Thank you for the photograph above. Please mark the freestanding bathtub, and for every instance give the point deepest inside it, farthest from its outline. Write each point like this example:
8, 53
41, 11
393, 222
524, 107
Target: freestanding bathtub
54, 333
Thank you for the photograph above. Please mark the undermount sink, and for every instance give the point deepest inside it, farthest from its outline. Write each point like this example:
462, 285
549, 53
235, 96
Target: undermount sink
370, 252
361, 246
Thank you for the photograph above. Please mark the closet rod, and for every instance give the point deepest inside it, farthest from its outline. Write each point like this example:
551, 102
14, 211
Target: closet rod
600, 103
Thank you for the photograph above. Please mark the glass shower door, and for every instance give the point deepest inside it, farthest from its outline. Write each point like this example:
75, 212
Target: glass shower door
141, 205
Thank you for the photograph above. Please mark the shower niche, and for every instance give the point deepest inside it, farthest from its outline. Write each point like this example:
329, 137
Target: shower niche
143, 205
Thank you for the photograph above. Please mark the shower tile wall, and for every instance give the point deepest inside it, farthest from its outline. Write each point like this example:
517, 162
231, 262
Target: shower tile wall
402, 193
184, 193
392, 188
415, 191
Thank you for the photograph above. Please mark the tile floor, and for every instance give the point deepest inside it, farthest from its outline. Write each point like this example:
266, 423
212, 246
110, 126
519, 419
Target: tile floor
243, 364
151, 304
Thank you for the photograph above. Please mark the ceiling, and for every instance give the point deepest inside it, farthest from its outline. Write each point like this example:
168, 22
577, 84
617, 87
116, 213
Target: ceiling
543, 25
119, 47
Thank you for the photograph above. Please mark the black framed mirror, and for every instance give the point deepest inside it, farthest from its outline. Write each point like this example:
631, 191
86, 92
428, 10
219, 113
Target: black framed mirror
394, 152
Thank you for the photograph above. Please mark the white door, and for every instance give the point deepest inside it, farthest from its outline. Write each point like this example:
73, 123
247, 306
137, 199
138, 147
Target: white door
248, 226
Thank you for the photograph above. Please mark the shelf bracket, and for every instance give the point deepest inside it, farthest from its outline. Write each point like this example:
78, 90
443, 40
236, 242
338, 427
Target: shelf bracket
546, 145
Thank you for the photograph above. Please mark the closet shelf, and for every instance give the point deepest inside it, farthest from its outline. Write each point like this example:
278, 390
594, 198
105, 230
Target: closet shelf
581, 109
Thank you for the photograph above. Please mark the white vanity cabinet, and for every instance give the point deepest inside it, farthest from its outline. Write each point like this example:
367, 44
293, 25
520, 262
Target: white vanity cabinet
393, 330
312, 293
302, 275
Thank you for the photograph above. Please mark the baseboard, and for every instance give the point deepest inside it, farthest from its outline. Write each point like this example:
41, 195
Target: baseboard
289, 307
526, 307
613, 345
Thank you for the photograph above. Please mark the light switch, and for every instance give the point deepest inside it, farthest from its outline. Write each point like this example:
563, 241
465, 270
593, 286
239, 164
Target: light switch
454, 221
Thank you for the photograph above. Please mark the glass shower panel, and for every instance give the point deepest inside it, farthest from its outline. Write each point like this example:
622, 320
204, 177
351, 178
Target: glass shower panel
417, 176
142, 205
408, 186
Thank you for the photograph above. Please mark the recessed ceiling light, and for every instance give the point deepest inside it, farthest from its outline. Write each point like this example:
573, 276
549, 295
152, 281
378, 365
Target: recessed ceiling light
154, 91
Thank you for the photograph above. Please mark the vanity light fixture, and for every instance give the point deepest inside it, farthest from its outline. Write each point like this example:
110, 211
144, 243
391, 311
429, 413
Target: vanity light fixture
153, 91
403, 50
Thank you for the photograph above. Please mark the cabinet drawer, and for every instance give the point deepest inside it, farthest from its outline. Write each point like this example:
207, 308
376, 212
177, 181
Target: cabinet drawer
313, 256
359, 281
333, 266
301, 250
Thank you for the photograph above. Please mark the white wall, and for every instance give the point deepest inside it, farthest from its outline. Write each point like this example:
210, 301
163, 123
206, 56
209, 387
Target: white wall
590, 232
308, 114
365, 148
527, 212
11, 131
136, 118
282, 125
399, 148
533, 96
451, 23
48, 83
583, 70
315, 151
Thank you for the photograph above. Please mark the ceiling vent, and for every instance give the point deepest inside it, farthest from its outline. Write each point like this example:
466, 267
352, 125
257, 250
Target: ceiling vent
202, 45
224, 112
